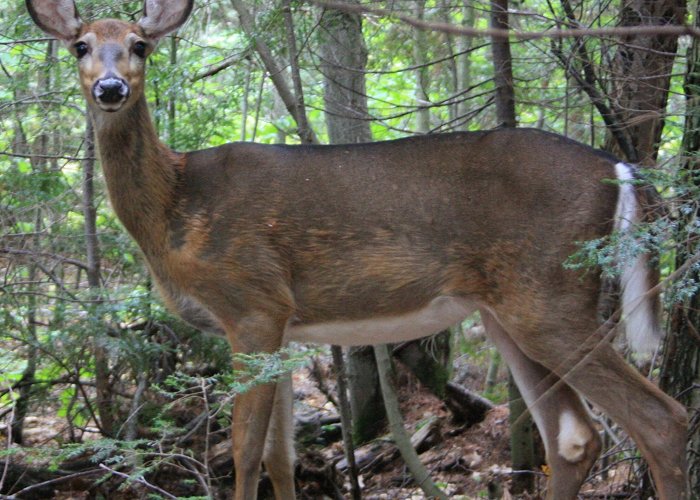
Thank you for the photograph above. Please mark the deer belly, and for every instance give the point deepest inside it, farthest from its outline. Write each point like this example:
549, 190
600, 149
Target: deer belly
439, 314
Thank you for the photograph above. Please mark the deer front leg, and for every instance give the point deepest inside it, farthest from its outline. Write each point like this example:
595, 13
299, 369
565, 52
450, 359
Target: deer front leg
252, 409
571, 441
251, 414
279, 455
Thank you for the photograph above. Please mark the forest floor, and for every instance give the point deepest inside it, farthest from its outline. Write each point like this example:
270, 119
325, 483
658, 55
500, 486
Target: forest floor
467, 463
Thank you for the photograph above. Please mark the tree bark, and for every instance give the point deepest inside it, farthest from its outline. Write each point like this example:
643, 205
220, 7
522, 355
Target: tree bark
420, 49
104, 400
522, 447
503, 67
464, 64
39, 166
641, 74
304, 130
680, 372
343, 65
367, 406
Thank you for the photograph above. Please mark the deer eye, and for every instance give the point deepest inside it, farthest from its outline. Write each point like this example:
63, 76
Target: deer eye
81, 48
140, 49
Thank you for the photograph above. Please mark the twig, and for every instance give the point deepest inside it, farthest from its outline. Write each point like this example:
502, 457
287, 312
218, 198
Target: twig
140, 480
9, 438
28, 489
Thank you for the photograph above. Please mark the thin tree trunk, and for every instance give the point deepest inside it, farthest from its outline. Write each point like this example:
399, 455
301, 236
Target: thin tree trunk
171, 97
464, 63
303, 128
522, 447
344, 61
368, 414
420, 48
244, 103
401, 437
346, 421
104, 401
39, 166
275, 72
492, 372
521, 430
503, 67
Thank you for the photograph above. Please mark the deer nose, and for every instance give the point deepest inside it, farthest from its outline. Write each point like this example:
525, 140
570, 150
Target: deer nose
110, 90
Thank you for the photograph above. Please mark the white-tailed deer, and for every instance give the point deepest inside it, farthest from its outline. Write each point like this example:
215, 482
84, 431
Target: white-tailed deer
372, 243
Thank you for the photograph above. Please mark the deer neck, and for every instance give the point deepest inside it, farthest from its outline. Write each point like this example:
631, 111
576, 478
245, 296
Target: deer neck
141, 172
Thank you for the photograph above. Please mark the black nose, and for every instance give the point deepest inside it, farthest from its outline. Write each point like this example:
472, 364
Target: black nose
110, 90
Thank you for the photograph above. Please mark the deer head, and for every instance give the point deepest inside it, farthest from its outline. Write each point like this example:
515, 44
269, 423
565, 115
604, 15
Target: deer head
111, 54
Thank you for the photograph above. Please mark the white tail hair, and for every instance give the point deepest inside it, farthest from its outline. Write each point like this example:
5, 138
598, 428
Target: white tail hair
638, 306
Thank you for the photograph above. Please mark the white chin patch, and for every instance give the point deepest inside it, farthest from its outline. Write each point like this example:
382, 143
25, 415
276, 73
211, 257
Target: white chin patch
110, 108
573, 437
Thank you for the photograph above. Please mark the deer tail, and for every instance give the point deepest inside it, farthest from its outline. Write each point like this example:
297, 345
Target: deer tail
640, 302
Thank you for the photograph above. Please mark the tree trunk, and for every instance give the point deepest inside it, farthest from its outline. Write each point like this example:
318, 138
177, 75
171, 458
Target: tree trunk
366, 404
420, 50
522, 444
464, 63
39, 166
641, 74
104, 401
304, 130
429, 360
346, 420
680, 372
521, 425
503, 67
344, 59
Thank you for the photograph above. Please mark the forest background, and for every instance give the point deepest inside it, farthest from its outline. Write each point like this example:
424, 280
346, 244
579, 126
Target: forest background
84, 338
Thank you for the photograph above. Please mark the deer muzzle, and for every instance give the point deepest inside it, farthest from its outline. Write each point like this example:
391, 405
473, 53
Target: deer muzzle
110, 92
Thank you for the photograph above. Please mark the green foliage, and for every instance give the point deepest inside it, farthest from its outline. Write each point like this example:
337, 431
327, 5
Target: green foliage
676, 227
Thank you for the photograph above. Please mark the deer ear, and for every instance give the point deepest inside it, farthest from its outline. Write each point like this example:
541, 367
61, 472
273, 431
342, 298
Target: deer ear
56, 17
160, 17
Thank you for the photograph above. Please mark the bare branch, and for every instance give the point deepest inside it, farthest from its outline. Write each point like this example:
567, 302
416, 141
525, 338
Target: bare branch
619, 31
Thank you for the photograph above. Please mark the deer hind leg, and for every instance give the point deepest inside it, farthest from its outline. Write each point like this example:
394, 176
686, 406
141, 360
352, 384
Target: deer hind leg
567, 344
252, 409
571, 441
278, 455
